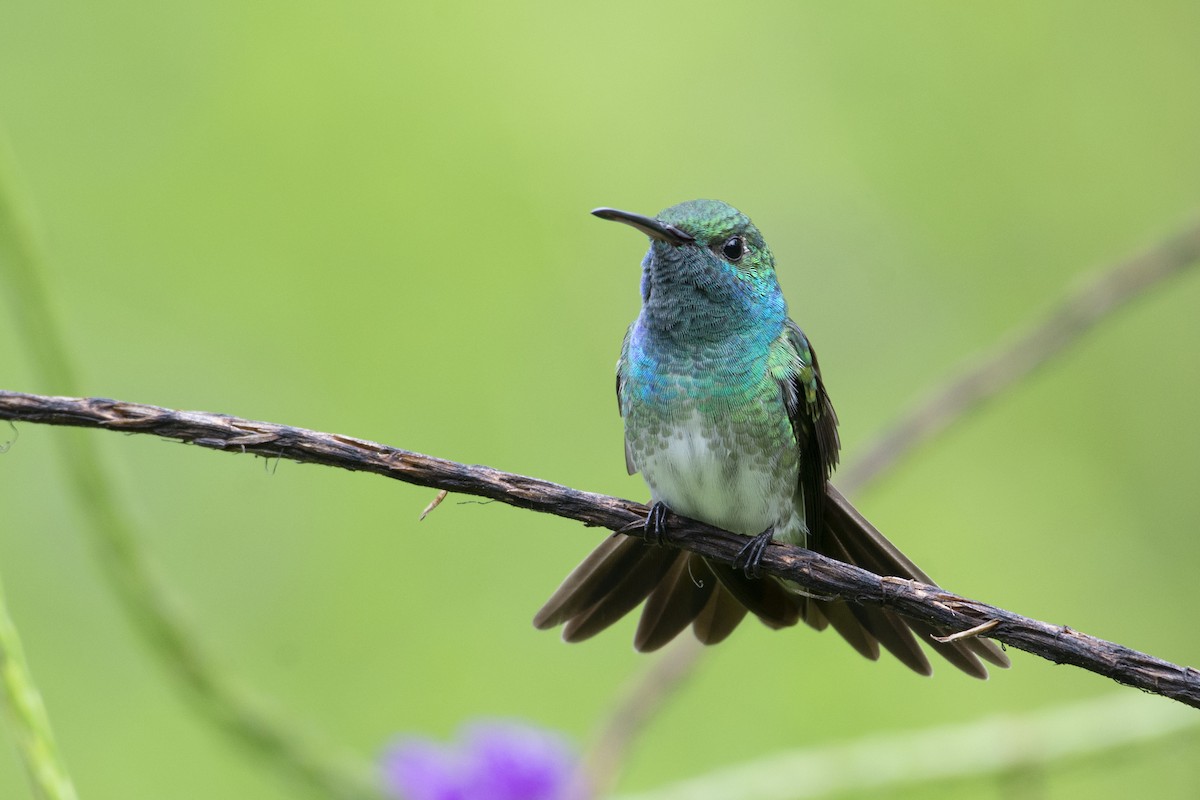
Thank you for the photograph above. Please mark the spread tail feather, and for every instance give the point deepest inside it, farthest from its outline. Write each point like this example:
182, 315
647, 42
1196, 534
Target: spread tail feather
681, 588
868, 548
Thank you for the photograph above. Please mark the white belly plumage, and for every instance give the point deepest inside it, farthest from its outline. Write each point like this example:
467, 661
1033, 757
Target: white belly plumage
698, 471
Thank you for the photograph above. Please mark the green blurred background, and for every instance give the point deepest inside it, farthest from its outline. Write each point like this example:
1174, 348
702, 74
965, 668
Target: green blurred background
371, 218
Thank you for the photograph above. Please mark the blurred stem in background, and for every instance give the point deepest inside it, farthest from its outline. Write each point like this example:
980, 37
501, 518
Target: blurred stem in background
146, 599
27, 713
987, 377
987, 747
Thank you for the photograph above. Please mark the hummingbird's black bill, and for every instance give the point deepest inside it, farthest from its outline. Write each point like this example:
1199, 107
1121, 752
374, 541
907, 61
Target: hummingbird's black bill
647, 225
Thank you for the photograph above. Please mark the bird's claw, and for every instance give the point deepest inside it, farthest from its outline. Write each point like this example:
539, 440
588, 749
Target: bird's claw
656, 524
749, 558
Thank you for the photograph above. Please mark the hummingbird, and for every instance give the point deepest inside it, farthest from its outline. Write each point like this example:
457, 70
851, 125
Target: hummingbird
729, 422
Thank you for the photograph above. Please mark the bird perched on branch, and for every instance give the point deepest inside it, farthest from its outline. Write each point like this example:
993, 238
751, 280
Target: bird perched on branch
728, 421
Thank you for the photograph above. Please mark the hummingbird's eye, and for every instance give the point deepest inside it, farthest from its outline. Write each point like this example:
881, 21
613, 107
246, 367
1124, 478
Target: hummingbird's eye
733, 248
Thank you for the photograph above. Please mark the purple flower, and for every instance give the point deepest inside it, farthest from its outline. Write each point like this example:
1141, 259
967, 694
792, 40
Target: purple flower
493, 761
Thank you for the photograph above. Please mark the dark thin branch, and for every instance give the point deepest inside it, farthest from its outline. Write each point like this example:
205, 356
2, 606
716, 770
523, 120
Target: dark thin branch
816, 573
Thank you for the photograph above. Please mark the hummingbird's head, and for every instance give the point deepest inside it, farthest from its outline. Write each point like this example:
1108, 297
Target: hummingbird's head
706, 258
713, 235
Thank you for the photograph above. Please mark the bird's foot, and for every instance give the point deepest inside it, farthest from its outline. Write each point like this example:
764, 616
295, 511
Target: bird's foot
656, 524
654, 527
749, 558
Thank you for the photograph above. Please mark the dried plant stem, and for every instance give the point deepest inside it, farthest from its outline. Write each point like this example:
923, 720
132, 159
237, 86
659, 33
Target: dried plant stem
816, 573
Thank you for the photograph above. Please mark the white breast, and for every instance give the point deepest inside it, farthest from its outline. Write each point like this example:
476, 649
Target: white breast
698, 471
